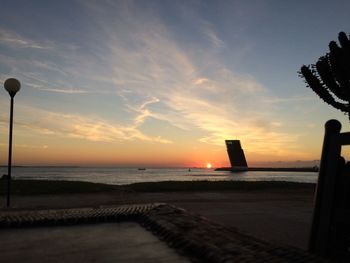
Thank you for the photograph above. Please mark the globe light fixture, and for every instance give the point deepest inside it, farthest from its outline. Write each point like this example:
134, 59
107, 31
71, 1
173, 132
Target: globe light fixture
12, 86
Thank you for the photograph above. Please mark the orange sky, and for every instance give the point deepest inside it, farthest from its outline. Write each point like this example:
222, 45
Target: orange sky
164, 83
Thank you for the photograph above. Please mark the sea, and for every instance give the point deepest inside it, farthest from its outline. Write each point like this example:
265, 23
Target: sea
123, 176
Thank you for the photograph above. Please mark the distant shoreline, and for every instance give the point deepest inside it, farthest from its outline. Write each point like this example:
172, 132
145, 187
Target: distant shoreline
234, 169
45, 187
268, 169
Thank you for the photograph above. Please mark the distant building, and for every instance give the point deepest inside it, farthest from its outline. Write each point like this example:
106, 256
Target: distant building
236, 154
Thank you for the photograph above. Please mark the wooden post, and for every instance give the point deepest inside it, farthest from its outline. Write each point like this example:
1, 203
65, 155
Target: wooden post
329, 161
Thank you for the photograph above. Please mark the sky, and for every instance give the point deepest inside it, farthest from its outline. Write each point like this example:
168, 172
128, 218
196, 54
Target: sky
164, 83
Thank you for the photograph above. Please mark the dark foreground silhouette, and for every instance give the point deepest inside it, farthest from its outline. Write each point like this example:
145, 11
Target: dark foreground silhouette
329, 78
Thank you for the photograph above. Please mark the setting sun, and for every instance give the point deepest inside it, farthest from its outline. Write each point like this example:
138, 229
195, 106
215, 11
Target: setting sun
209, 165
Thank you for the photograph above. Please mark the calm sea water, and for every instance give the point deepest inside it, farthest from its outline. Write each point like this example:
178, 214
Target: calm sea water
120, 176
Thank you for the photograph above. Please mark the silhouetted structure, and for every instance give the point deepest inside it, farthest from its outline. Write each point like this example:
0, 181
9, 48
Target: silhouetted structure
330, 76
236, 154
239, 163
330, 231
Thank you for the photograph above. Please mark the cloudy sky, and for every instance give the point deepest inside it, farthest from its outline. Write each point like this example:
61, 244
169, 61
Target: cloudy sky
164, 83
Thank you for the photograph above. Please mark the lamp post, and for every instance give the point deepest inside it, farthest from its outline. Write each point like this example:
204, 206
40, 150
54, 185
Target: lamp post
12, 86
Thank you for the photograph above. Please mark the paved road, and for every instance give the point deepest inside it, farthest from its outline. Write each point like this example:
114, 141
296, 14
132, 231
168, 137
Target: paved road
108, 242
282, 217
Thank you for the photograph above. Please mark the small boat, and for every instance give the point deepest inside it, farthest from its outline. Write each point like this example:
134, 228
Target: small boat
141, 169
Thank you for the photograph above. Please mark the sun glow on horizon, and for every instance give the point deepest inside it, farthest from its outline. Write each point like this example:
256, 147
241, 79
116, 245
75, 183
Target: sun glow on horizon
209, 165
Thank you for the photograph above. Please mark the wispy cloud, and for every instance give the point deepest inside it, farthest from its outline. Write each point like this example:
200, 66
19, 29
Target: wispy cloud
56, 90
12, 39
67, 91
48, 65
132, 53
143, 112
200, 81
293, 99
192, 93
27, 146
212, 37
91, 128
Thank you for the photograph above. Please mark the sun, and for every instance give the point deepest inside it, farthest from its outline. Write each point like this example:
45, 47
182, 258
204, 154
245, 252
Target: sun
209, 165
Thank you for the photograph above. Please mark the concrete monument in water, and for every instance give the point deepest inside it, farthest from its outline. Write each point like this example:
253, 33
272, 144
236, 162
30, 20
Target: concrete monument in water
239, 163
236, 155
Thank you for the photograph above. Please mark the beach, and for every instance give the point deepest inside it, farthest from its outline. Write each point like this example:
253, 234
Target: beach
277, 214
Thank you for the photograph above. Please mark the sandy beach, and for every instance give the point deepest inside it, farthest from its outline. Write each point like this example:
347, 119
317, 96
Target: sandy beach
279, 216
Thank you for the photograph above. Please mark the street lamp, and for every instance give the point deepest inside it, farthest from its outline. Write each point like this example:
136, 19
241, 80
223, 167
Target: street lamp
12, 86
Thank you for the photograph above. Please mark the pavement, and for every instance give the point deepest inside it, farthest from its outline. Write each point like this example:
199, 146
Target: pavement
107, 242
152, 232
279, 216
